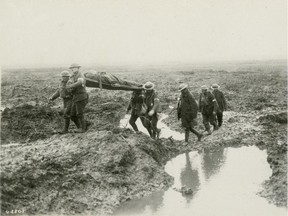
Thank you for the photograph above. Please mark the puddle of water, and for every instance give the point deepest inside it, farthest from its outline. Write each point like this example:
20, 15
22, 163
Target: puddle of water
166, 132
225, 182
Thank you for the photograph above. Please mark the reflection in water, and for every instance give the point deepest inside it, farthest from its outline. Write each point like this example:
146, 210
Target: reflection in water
212, 162
166, 132
221, 183
189, 178
148, 204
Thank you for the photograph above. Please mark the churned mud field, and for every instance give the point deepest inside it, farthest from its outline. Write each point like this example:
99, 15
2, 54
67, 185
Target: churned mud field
44, 172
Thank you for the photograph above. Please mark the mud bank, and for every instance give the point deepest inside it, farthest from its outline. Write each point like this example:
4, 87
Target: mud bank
89, 173
27, 122
77, 173
96, 171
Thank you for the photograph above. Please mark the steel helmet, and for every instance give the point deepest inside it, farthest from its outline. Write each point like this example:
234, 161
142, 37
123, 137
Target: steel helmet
215, 86
74, 66
149, 85
204, 87
182, 86
65, 73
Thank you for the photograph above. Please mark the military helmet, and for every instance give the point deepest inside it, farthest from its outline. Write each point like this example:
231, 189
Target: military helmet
74, 66
65, 73
215, 86
204, 87
182, 86
149, 86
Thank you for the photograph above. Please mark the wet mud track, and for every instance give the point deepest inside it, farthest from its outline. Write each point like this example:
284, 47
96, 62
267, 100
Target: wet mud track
96, 171
93, 173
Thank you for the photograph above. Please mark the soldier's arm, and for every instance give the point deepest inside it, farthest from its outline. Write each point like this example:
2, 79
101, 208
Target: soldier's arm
179, 109
129, 105
214, 101
224, 101
191, 101
55, 95
199, 103
156, 104
80, 82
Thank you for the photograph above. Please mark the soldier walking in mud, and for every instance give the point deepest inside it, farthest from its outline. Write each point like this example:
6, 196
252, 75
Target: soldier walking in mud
187, 110
221, 101
67, 101
80, 96
208, 107
153, 104
135, 104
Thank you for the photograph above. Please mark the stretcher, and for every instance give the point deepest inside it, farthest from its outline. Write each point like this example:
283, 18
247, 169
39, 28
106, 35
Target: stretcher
109, 81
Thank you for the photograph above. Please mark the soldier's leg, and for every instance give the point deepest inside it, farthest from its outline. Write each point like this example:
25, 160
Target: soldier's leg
80, 106
147, 124
67, 111
206, 123
212, 120
73, 115
192, 125
220, 118
66, 124
156, 131
132, 121
187, 131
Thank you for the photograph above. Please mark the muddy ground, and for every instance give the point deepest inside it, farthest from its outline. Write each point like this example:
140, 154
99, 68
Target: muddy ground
94, 172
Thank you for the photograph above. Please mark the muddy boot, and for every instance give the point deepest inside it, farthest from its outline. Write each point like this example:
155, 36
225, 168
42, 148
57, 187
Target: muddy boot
158, 133
82, 128
76, 121
150, 132
220, 118
219, 124
186, 137
66, 126
134, 126
199, 135
88, 124
207, 128
215, 127
153, 135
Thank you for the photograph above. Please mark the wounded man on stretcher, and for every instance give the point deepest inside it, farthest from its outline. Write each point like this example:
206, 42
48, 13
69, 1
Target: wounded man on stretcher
109, 81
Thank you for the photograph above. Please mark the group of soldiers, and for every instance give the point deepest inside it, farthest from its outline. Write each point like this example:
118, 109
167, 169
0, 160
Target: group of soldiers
144, 104
75, 97
212, 104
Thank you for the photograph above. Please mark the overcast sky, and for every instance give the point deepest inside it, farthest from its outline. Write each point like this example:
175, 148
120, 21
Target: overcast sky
43, 32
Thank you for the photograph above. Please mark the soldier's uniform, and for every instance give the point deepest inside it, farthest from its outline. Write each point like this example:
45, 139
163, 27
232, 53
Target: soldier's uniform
153, 105
66, 96
80, 98
208, 106
63, 93
221, 101
187, 110
135, 105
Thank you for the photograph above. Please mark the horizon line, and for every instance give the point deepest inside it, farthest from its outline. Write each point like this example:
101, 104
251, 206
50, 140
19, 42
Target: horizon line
9, 66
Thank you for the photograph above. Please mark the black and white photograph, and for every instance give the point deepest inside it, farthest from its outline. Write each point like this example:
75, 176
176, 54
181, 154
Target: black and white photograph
143, 107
